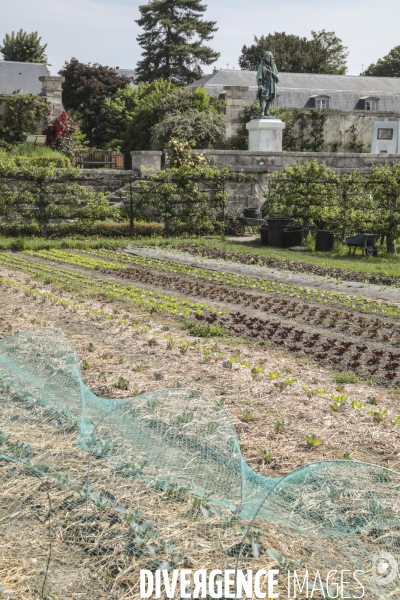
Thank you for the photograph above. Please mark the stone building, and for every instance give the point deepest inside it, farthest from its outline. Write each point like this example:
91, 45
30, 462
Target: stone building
31, 78
349, 100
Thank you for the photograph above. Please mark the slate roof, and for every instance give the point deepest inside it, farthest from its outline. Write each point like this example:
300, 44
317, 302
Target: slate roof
131, 73
295, 89
21, 76
126, 72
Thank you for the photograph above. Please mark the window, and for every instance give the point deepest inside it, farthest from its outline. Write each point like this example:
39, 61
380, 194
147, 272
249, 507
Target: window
385, 134
371, 105
321, 103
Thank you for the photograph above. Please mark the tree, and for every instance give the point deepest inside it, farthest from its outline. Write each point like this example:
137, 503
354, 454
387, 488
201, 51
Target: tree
384, 182
23, 47
190, 195
146, 114
30, 193
85, 88
23, 113
388, 66
306, 191
127, 118
173, 41
205, 129
323, 53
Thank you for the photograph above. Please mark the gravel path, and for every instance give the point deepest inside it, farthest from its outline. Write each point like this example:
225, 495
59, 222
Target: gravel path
357, 288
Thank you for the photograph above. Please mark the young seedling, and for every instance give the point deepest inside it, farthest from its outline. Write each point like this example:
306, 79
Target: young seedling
346, 456
121, 360
278, 426
266, 455
85, 365
122, 383
378, 415
248, 415
356, 404
102, 375
281, 385
256, 371
313, 441
396, 420
185, 417
340, 389
273, 375
372, 400
341, 398
335, 407
90, 347
137, 368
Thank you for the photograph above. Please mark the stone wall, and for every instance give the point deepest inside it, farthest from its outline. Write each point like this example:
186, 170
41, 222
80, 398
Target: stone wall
338, 124
259, 162
104, 180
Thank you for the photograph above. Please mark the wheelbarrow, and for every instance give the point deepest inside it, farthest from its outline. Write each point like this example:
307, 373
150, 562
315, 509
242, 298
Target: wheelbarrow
365, 241
251, 225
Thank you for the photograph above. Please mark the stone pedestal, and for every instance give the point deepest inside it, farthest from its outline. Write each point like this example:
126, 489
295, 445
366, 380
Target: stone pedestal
235, 97
265, 135
52, 91
142, 160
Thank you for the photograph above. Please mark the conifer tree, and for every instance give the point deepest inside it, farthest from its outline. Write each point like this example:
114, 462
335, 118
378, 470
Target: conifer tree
23, 47
173, 41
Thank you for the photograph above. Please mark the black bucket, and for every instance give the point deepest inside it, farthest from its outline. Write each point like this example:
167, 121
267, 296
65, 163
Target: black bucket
324, 241
294, 236
264, 234
275, 231
252, 213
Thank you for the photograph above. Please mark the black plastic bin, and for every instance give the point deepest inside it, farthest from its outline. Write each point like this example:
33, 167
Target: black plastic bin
324, 240
294, 236
275, 231
264, 234
252, 213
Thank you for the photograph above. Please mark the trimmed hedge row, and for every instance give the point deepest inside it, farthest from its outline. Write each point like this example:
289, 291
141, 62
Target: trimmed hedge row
59, 161
101, 228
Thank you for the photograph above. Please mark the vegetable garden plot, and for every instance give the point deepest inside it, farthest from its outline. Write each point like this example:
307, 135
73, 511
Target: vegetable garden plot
166, 484
356, 340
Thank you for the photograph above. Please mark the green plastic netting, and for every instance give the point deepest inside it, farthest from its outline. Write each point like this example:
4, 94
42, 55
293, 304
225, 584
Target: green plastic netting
95, 489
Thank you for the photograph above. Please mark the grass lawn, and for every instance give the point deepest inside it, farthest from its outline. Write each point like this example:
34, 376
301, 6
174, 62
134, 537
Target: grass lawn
385, 264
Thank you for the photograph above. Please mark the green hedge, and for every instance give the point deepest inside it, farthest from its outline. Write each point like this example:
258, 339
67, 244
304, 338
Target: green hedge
101, 228
59, 161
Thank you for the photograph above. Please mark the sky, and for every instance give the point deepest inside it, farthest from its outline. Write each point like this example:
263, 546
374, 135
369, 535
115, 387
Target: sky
104, 31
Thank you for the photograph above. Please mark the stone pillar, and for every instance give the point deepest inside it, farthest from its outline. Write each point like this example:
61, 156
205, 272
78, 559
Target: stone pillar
265, 135
52, 91
235, 96
146, 159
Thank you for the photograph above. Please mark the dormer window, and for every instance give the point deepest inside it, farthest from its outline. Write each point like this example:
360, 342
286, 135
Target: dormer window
320, 101
369, 103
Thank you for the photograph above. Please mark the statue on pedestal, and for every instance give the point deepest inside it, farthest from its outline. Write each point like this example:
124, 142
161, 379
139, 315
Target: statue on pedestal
267, 78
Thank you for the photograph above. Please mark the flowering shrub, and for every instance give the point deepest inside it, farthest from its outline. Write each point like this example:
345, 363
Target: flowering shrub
180, 154
60, 132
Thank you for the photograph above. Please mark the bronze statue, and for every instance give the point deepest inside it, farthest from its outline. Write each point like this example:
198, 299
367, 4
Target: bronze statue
267, 78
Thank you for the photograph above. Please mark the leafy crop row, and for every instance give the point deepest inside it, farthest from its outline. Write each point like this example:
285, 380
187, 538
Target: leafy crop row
283, 289
100, 288
361, 358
